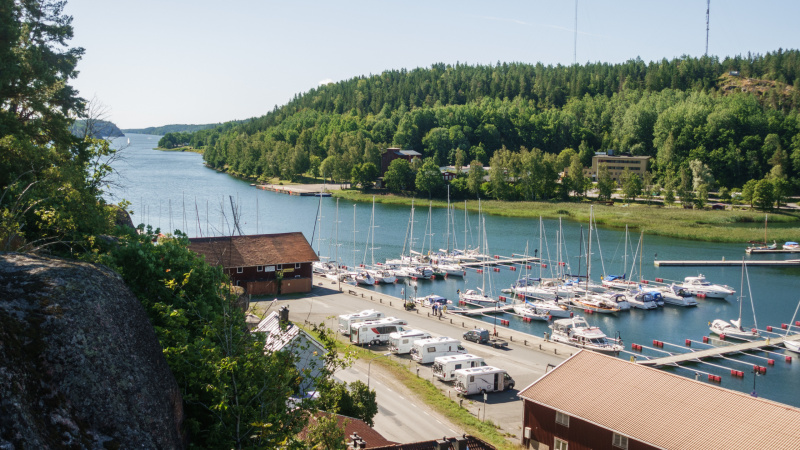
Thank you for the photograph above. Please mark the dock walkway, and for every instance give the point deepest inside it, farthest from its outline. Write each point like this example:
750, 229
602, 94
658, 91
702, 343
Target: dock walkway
717, 351
732, 262
481, 311
501, 261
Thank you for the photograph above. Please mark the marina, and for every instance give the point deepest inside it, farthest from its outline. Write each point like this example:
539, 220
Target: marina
699, 355
156, 191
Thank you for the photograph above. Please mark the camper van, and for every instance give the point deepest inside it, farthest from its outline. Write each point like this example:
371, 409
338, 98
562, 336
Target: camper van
444, 366
375, 332
346, 320
425, 351
402, 341
478, 380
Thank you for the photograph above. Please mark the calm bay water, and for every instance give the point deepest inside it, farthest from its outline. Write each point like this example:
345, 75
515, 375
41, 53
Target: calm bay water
173, 190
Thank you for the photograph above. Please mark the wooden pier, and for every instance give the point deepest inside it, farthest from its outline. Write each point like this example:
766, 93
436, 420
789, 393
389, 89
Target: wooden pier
774, 250
501, 261
482, 311
717, 351
732, 262
310, 190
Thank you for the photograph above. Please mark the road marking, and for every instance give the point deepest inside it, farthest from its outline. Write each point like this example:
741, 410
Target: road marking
403, 398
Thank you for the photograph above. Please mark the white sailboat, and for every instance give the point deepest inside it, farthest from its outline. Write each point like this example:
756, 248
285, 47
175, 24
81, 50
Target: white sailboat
378, 273
479, 295
733, 328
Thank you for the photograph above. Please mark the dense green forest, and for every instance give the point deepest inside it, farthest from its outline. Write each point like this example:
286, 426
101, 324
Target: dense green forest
95, 129
738, 127
177, 128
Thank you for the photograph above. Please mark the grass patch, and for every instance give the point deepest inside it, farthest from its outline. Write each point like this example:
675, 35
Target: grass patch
701, 225
182, 149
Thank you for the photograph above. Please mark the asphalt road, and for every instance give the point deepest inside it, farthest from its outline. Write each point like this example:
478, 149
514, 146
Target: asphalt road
523, 359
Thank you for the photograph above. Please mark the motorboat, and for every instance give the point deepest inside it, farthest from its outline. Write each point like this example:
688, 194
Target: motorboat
383, 276
451, 270
529, 310
701, 287
791, 245
676, 295
576, 331
645, 299
363, 277
432, 299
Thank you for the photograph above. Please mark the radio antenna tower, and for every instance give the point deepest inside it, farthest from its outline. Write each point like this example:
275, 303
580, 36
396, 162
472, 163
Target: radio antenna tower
575, 40
708, 11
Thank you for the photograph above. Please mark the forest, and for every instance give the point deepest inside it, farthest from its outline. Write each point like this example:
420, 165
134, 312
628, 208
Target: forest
737, 118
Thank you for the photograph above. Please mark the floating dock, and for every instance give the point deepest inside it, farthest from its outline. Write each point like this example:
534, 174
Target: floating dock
482, 311
753, 251
496, 261
717, 351
732, 262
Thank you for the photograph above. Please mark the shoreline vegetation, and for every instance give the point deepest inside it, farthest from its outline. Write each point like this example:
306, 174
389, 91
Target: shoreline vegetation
181, 149
727, 226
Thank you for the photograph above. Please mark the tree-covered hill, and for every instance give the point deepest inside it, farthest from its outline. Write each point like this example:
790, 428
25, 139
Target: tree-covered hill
675, 111
176, 128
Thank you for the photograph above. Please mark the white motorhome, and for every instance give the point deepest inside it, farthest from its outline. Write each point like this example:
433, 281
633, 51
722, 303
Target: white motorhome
425, 351
375, 332
346, 320
478, 380
402, 341
445, 366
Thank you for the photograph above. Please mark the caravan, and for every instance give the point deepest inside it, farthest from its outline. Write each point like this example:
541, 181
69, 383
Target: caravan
425, 351
346, 320
445, 366
402, 341
482, 380
375, 332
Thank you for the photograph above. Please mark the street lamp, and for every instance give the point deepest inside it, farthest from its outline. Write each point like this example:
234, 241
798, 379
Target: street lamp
755, 375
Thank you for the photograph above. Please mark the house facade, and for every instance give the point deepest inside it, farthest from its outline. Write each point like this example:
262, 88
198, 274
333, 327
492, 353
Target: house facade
617, 164
594, 401
264, 264
390, 154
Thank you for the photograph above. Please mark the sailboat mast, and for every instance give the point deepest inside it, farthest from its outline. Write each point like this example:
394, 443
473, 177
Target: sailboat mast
589, 250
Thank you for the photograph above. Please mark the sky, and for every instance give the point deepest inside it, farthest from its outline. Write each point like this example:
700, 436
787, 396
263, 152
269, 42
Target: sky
160, 62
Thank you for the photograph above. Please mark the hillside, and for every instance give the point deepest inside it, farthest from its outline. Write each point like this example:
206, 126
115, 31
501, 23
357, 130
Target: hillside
96, 129
178, 128
669, 110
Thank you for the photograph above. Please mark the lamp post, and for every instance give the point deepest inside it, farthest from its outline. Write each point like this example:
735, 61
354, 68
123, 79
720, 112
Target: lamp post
755, 375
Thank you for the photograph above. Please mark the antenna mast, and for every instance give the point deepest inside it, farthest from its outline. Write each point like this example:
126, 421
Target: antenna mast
708, 12
575, 40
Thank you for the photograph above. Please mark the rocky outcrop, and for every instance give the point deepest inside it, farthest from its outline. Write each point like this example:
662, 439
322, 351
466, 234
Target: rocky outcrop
80, 365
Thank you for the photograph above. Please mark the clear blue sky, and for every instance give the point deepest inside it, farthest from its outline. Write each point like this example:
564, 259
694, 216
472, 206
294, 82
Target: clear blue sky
163, 62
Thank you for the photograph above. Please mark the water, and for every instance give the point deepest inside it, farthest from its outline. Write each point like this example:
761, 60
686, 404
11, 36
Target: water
174, 190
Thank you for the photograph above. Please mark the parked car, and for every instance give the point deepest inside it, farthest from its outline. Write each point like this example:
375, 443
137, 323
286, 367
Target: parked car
479, 335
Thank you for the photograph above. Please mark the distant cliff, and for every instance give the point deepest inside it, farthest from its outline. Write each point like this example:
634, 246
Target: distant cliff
80, 365
96, 129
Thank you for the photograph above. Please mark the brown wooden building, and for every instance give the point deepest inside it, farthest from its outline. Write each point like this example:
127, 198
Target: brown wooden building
263, 264
594, 401
395, 153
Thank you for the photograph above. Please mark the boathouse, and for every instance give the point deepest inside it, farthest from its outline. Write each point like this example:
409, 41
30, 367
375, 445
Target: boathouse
594, 401
264, 264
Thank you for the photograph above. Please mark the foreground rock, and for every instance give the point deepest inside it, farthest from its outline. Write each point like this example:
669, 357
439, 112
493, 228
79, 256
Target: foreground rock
80, 365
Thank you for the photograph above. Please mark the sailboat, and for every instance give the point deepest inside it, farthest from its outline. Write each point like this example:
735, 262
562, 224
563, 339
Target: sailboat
733, 328
589, 301
379, 274
478, 295
764, 245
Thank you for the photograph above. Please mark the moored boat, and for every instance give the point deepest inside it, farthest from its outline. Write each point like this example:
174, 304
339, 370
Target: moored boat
577, 332
701, 287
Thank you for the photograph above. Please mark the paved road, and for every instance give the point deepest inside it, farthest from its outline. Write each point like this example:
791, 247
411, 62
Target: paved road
522, 360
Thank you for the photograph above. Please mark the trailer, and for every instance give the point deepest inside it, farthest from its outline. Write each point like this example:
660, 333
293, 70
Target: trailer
401, 342
375, 332
445, 366
480, 380
346, 320
425, 351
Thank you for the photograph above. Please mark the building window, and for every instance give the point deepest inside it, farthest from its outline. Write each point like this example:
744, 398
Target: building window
279, 267
239, 269
259, 268
562, 419
296, 265
620, 441
560, 444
